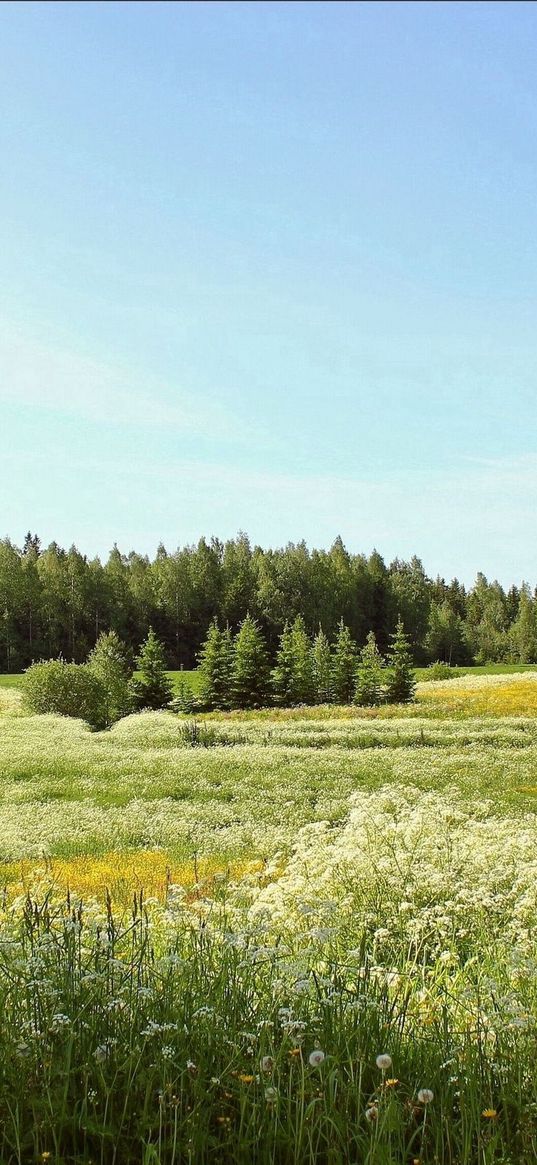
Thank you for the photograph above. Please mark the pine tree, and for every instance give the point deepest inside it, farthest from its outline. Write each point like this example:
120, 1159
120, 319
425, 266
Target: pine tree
322, 667
343, 670
109, 661
251, 672
153, 689
401, 684
216, 668
369, 676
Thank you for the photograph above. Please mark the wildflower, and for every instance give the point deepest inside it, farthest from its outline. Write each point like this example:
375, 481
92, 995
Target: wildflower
425, 1095
317, 1058
371, 1113
489, 1113
192, 1067
167, 1052
246, 1078
384, 1062
391, 1083
267, 1064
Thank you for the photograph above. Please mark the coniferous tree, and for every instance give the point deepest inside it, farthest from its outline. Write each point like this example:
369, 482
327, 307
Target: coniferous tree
369, 675
303, 678
109, 661
343, 670
251, 671
322, 667
216, 668
282, 675
401, 684
153, 688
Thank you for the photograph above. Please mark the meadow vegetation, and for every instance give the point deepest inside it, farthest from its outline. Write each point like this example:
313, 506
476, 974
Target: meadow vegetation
286, 936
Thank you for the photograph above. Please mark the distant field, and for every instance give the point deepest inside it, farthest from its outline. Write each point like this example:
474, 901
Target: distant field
192, 677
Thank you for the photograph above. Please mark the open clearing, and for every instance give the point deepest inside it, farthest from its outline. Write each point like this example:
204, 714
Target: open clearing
325, 885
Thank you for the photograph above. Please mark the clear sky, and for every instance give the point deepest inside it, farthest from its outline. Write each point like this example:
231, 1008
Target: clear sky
272, 267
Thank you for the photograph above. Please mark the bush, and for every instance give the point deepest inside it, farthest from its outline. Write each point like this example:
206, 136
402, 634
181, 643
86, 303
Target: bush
66, 689
442, 671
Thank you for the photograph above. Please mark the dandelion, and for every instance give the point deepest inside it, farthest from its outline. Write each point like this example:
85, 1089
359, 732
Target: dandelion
425, 1095
246, 1078
316, 1058
372, 1113
384, 1062
489, 1113
267, 1064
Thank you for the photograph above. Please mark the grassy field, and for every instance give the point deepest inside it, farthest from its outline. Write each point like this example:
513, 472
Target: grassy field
192, 677
203, 950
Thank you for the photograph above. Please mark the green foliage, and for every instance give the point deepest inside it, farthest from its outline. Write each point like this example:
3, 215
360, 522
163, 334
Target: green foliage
109, 662
523, 633
369, 691
251, 670
343, 670
322, 668
153, 689
441, 671
401, 686
184, 699
66, 689
216, 668
293, 678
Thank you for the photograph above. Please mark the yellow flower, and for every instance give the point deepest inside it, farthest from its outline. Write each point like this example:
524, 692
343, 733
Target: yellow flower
489, 1113
245, 1078
391, 1083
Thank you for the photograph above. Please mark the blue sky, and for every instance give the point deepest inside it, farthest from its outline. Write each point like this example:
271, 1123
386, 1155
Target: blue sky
271, 267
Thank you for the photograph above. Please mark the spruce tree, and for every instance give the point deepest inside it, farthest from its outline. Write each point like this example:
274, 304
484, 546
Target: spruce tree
282, 674
251, 671
343, 670
216, 668
303, 679
401, 684
153, 689
369, 676
109, 661
322, 668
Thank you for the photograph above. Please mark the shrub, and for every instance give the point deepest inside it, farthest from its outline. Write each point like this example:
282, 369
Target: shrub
110, 664
66, 689
442, 671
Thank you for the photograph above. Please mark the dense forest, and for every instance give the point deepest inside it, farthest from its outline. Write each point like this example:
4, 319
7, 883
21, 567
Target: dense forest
56, 602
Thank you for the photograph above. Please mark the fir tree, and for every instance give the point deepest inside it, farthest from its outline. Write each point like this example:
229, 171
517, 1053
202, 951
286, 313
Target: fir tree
216, 668
369, 676
343, 670
109, 661
153, 689
322, 667
251, 672
401, 684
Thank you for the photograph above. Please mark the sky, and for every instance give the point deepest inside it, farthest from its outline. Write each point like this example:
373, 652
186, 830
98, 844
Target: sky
271, 267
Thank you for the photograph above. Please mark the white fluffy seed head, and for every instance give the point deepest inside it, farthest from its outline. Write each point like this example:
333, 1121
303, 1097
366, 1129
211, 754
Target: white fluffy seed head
372, 1113
425, 1095
384, 1062
316, 1058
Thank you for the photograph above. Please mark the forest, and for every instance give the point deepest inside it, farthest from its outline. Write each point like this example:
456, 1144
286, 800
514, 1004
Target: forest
56, 602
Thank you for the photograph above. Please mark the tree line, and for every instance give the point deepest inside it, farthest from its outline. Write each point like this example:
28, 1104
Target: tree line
56, 602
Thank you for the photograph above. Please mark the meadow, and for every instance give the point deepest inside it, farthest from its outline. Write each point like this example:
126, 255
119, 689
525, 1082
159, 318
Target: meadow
283, 936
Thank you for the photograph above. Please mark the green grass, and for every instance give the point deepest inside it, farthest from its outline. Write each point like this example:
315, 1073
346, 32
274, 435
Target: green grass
14, 680
392, 910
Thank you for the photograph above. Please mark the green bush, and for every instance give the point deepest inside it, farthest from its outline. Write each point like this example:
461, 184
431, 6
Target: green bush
66, 689
442, 671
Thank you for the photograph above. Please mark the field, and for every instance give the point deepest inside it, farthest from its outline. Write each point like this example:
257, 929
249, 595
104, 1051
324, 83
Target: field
210, 932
